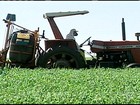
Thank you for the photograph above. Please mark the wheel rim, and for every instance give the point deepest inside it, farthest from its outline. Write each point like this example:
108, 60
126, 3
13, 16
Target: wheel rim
62, 63
61, 60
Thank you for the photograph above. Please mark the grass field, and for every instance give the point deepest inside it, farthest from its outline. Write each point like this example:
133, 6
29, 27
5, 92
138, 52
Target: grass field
55, 86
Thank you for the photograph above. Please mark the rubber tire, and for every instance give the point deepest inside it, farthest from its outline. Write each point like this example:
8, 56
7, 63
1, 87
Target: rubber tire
133, 65
80, 62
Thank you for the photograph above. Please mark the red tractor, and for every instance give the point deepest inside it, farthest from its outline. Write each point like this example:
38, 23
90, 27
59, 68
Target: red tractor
117, 53
25, 50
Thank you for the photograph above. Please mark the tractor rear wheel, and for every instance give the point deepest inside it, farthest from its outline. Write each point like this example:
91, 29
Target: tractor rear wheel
62, 57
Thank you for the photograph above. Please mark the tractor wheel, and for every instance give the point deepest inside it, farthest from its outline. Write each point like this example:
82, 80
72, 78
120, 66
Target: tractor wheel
62, 57
133, 65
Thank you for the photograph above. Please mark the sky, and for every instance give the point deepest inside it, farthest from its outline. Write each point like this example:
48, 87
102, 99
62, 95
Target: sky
103, 22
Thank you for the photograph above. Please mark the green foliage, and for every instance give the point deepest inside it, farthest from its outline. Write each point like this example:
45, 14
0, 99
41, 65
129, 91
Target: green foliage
67, 86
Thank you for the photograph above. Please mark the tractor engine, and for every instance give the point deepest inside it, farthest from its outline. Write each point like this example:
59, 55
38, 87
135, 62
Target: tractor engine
113, 59
116, 53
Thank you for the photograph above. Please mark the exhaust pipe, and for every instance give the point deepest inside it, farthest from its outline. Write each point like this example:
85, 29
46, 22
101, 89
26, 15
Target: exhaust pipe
123, 30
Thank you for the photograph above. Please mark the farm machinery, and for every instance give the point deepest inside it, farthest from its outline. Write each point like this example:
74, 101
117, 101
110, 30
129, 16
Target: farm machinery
23, 47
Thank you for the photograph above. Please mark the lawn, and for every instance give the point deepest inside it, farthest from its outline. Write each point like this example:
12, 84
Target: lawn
67, 86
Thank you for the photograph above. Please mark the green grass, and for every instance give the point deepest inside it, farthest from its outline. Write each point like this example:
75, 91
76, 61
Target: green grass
55, 86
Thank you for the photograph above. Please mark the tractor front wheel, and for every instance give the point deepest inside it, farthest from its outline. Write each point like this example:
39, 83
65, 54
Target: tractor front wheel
133, 65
